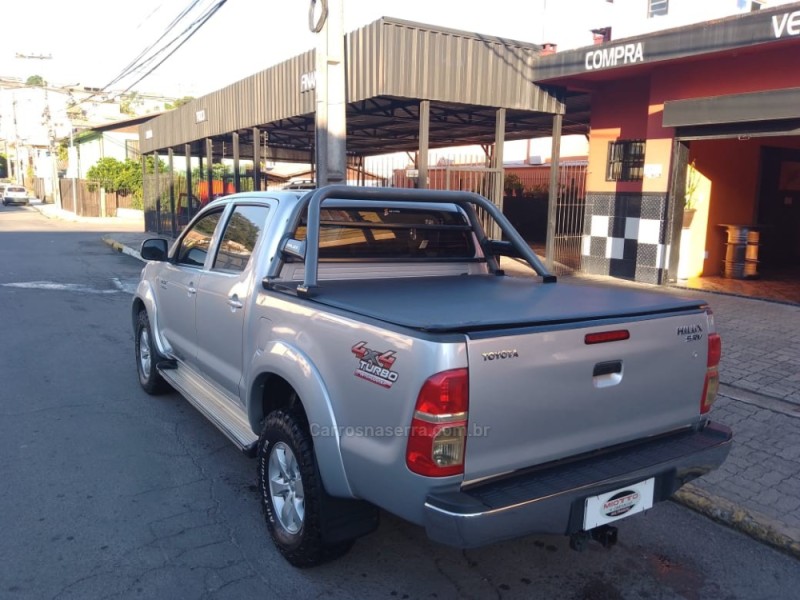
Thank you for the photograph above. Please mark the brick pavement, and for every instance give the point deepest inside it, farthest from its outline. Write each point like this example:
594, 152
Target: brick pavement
757, 490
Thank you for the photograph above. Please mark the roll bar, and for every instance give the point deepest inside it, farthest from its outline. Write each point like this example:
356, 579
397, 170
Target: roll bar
466, 200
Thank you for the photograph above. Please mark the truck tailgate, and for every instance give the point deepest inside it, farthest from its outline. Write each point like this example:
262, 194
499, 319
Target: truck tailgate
542, 394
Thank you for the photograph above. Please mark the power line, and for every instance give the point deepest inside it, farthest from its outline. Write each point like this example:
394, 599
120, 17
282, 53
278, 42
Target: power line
180, 39
189, 32
133, 65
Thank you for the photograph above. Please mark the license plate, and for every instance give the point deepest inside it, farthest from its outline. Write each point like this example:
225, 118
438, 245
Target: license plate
621, 503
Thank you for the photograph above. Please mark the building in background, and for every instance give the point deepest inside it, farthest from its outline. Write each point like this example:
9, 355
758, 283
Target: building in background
36, 119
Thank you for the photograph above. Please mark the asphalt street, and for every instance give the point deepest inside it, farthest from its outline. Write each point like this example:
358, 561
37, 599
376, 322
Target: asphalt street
109, 493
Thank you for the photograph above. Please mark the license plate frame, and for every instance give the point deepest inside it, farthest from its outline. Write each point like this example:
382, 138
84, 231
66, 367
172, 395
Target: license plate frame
618, 504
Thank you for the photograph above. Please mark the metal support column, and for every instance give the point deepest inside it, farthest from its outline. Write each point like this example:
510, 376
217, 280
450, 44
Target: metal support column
424, 142
674, 208
497, 159
156, 176
174, 224
552, 200
145, 190
256, 159
237, 183
187, 148
210, 168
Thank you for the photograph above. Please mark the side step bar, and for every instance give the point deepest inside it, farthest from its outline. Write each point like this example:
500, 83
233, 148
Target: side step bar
214, 404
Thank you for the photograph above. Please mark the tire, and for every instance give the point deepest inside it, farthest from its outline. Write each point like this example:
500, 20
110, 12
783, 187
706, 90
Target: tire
146, 358
292, 493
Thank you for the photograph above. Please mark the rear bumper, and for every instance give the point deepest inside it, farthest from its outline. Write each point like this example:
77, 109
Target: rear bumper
551, 500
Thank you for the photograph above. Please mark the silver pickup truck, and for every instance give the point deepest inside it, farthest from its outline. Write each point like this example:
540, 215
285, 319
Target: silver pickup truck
365, 345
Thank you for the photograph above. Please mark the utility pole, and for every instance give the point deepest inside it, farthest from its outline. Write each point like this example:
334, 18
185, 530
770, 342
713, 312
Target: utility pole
325, 18
48, 122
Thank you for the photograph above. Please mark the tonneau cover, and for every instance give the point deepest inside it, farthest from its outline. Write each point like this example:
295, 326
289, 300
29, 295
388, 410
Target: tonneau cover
474, 302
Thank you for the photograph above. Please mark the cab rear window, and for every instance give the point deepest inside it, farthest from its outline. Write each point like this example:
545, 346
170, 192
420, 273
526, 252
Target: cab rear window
388, 232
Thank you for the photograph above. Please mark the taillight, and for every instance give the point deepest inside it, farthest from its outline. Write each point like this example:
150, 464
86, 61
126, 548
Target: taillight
438, 436
711, 384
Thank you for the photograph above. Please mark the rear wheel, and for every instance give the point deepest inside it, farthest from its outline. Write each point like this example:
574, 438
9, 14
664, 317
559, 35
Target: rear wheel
292, 492
147, 357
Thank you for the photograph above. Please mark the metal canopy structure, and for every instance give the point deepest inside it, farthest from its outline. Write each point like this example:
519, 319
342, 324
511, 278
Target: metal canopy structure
384, 124
392, 66
409, 87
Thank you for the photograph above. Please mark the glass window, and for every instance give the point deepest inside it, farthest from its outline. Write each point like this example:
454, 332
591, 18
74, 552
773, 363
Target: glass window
657, 8
239, 240
388, 232
195, 244
625, 160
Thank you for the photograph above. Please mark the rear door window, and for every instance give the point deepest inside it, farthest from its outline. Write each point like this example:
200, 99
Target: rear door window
240, 238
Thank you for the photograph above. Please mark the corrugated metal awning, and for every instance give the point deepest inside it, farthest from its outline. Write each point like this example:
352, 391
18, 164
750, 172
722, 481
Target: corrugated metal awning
392, 65
772, 105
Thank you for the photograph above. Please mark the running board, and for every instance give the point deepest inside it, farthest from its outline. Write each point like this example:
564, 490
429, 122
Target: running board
214, 404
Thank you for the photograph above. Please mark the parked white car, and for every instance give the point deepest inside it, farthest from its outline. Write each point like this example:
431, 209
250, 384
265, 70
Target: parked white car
15, 194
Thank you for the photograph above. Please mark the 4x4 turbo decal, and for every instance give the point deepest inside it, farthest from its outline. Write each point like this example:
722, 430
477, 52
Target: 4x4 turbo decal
375, 366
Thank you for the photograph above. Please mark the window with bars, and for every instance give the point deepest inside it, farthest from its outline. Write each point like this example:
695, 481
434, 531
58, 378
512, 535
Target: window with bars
657, 8
625, 160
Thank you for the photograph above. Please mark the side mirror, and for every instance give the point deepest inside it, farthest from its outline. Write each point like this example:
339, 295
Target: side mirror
154, 249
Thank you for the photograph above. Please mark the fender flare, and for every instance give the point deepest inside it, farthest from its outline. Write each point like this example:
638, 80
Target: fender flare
293, 365
144, 296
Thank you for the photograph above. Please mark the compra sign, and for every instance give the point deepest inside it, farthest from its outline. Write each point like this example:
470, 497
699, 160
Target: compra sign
614, 56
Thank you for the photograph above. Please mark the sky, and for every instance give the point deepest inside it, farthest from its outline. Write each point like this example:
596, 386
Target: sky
92, 41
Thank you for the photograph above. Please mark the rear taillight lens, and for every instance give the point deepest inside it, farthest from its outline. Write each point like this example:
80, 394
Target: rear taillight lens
438, 436
711, 385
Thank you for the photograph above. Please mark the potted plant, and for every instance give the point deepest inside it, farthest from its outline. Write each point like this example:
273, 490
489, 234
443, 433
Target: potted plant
513, 185
691, 196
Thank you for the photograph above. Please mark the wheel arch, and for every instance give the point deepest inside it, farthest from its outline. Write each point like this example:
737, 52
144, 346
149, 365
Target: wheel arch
291, 380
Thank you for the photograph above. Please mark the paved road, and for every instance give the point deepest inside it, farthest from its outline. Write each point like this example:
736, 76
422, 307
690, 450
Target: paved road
109, 493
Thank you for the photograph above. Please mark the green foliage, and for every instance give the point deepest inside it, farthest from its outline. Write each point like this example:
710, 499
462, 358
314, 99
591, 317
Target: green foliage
512, 183
178, 102
36, 81
218, 171
3, 166
124, 177
105, 173
129, 104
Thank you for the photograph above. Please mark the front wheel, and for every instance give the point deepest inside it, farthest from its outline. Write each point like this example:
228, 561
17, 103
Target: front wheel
292, 492
146, 358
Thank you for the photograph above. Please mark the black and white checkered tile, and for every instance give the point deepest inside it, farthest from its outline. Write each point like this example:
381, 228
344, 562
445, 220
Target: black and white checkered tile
624, 236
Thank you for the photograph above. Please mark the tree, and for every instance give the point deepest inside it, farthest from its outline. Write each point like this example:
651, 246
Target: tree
36, 81
105, 172
123, 177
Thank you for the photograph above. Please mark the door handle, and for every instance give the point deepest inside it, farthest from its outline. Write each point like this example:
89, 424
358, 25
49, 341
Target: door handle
190, 289
234, 302
607, 374
163, 283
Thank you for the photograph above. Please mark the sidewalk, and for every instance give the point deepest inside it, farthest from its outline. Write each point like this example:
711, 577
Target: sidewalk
51, 211
757, 489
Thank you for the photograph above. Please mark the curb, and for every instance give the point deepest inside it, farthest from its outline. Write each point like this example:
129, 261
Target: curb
726, 512
122, 248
